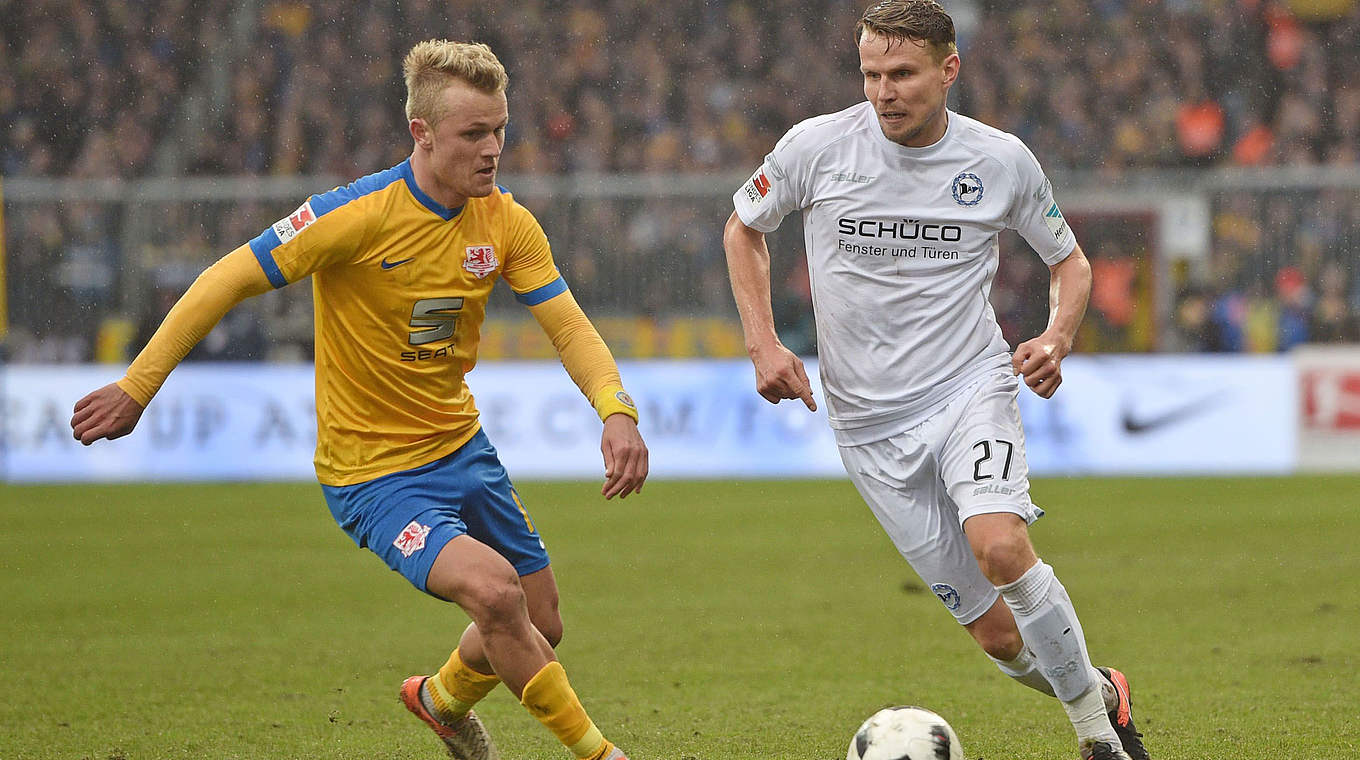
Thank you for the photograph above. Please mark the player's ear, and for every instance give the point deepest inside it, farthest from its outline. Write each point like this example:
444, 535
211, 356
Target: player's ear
421, 133
950, 70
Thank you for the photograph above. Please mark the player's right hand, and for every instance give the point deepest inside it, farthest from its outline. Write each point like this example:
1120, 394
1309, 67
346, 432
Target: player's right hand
106, 413
780, 375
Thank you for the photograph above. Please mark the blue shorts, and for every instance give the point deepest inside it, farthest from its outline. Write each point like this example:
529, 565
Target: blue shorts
407, 517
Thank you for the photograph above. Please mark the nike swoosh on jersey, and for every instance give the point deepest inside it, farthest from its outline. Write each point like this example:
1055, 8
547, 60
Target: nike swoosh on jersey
389, 264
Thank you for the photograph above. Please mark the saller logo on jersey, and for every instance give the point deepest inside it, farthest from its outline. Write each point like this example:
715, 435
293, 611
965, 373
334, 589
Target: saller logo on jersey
288, 227
757, 188
412, 538
481, 260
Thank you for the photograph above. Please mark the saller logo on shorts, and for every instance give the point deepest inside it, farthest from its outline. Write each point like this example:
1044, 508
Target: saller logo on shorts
412, 538
288, 227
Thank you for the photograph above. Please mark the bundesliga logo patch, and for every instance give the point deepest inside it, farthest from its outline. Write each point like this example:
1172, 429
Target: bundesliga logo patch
757, 188
412, 538
288, 227
481, 260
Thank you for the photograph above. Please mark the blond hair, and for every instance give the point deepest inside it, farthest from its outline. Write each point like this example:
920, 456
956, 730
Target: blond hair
917, 20
432, 63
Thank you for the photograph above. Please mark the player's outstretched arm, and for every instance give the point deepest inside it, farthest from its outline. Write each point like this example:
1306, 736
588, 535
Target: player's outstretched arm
1039, 360
779, 372
113, 411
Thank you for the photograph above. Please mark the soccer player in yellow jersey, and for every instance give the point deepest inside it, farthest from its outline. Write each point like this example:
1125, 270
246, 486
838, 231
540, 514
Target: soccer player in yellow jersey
402, 262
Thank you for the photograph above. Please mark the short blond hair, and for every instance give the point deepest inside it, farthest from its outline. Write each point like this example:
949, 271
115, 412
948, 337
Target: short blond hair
432, 63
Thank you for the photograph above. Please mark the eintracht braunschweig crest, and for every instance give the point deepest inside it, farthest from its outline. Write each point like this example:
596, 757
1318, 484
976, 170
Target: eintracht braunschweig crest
481, 260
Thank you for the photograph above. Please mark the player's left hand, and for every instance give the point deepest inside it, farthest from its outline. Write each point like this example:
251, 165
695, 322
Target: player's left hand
1040, 362
625, 457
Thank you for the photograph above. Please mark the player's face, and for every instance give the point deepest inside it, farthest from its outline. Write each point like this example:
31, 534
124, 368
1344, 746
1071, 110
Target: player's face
907, 87
465, 145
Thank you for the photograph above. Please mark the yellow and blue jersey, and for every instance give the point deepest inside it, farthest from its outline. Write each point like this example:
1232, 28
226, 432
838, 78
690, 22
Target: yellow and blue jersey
400, 285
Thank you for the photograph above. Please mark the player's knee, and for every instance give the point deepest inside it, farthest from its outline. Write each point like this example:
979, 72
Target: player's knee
1005, 556
495, 603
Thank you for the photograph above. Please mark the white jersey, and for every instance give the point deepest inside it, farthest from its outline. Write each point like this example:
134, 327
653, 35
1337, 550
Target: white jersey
902, 247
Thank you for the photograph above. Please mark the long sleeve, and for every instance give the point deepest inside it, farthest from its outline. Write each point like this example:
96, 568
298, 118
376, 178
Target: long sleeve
584, 354
234, 278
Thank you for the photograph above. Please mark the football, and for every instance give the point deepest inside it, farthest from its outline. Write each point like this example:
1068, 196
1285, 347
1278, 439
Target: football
905, 733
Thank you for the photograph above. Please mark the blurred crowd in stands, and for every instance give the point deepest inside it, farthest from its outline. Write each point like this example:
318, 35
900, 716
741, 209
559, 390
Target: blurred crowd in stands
143, 88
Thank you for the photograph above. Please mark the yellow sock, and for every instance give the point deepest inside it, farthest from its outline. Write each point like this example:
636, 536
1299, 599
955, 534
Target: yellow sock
550, 699
456, 688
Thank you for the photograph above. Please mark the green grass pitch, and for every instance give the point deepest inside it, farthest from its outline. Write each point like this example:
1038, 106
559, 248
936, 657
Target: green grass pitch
705, 620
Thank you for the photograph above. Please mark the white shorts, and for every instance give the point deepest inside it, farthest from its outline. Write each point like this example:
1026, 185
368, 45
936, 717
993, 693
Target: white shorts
922, 484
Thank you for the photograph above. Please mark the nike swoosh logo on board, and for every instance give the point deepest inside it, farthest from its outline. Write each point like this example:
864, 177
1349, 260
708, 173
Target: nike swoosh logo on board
1145, 423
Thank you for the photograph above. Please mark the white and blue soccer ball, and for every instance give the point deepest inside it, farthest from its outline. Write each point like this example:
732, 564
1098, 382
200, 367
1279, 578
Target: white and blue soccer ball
905, 733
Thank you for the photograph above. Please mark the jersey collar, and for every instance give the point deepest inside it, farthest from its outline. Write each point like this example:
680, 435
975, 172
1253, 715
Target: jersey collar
909, 152
439, 209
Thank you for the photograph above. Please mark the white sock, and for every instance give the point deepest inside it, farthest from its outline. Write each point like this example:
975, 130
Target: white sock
1049, 626
1089, 719
1025, 669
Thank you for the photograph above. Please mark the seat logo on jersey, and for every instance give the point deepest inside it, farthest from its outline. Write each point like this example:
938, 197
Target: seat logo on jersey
412, 538
435, 319
481, 260
757, 188
967, 189
288, 227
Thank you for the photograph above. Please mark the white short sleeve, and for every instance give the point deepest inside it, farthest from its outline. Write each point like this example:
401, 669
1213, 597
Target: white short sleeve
1035, 214
771, 193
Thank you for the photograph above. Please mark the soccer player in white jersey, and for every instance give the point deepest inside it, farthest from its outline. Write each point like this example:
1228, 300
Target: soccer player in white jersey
902, 203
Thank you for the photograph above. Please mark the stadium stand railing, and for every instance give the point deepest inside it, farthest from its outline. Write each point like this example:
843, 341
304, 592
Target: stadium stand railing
1187, 260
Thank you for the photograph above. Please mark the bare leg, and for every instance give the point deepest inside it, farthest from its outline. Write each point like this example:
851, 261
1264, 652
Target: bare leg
1001, 544
996, 633
478, 579
540, 594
